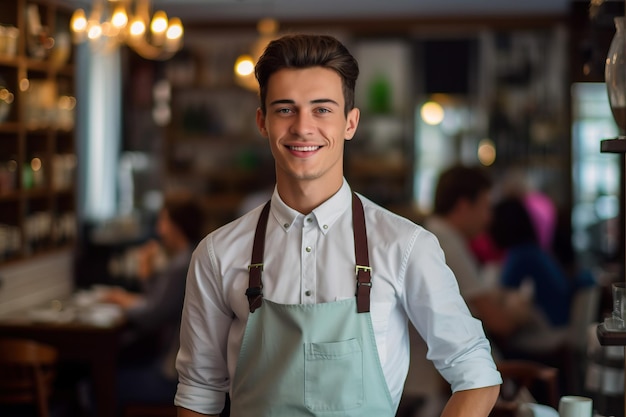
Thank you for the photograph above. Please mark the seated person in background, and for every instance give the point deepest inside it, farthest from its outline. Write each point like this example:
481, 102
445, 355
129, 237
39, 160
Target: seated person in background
462, 210
541, 209
155, 312
547, 337
512, 230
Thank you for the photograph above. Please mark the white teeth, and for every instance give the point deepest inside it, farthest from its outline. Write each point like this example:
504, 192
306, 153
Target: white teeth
304, 148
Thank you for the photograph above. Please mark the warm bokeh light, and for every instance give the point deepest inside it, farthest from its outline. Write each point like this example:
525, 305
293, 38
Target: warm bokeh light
486, 152
175, 30
67, 102
94, 31
79, 21
244, 65
119, 19
137, 28
24, 84
159, 22
35, 164
6, 96
432, 113
111, 23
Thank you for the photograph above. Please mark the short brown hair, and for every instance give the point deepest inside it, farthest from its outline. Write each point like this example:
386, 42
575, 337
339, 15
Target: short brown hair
305, 51
458, 182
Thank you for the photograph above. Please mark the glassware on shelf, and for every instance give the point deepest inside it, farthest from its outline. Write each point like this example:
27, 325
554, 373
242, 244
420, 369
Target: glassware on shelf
8, 176
615, 76
8, 40
6, 101
61, 50
41, 104
38, 39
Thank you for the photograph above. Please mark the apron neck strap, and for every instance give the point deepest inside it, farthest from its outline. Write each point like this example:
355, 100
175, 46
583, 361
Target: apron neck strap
363, 269
255, 269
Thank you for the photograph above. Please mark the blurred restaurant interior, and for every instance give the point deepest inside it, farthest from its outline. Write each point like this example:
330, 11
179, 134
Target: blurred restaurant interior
94, 131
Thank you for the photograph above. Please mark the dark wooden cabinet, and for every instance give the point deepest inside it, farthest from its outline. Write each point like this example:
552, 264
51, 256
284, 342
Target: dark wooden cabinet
37, 143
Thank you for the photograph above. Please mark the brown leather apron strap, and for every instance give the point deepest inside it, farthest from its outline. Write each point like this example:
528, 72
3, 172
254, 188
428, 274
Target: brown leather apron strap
255, 269
361, 252
363, 270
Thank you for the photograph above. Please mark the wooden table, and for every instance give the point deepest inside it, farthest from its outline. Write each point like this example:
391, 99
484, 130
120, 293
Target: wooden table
95, 346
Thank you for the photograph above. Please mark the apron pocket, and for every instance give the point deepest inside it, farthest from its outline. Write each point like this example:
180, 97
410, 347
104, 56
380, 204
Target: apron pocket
333, 375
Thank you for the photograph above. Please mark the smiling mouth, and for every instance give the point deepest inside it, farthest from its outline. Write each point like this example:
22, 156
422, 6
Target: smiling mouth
304, 148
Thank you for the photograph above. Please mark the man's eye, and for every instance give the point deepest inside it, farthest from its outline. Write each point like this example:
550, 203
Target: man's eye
323, 110
283, 111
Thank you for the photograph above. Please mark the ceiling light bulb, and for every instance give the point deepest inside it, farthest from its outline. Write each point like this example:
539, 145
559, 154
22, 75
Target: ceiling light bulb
79, 21
159, 22
119, 18
114, 22
94, 30
137, 27
432, 113
175, 30
244, 65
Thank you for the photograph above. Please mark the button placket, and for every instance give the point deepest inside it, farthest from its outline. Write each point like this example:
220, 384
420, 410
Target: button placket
309, 236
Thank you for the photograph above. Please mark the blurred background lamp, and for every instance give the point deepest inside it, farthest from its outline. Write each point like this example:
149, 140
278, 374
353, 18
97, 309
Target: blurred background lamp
115, 22
432, 113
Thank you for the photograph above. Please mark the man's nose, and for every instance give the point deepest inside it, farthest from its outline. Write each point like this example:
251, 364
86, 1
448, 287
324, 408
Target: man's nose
303, 124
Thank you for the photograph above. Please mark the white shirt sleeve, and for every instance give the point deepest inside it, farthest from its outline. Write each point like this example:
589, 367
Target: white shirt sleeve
206, 320
456, 342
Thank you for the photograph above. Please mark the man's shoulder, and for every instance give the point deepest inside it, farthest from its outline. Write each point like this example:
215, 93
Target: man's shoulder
381, 219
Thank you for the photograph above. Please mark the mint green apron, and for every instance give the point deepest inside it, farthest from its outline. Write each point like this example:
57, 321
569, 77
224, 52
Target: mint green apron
310, 359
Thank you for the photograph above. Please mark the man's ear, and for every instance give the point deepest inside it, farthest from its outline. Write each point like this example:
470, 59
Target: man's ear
260, 122
352, 122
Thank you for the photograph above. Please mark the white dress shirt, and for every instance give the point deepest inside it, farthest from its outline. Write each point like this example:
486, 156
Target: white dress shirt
458, 257
310, 259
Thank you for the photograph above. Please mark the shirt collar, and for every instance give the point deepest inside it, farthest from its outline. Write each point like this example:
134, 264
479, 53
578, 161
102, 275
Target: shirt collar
325, 214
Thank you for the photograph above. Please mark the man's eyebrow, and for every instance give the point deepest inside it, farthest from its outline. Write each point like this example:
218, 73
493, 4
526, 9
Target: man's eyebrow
324, 100
282, 101
316, 101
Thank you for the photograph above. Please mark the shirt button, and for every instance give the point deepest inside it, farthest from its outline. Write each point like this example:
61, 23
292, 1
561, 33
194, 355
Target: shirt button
307, 293
308, 249
309, 219
286, 225
325, 226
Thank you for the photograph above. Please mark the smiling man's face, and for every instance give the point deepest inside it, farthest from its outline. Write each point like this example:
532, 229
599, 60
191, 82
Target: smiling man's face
306, 125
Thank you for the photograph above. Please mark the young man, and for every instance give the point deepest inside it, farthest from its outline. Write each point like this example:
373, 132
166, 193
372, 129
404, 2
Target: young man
270, 312
462, 211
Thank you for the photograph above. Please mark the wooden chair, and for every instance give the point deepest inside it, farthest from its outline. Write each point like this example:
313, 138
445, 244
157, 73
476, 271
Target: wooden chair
534, 377
27, 370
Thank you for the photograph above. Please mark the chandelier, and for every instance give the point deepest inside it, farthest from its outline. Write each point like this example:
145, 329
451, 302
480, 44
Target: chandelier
115, 22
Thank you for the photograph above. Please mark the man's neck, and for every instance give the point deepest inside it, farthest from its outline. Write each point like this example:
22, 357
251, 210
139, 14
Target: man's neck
305, 196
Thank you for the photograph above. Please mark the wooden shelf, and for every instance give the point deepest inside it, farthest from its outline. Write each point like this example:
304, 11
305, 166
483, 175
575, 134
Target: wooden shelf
610, 338
37, 203
615, 145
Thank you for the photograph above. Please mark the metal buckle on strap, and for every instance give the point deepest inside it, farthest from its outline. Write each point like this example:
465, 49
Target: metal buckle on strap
366, 269
362, 268
255, 266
